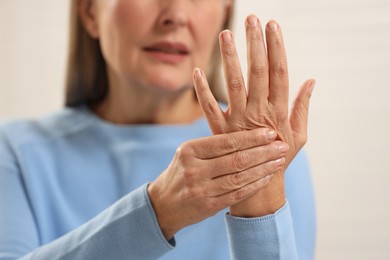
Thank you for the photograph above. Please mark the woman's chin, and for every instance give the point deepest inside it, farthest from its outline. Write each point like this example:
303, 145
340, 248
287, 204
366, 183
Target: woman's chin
169, 86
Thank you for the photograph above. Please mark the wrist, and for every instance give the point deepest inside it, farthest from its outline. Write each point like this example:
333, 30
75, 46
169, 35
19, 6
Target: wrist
264, 202
164, 219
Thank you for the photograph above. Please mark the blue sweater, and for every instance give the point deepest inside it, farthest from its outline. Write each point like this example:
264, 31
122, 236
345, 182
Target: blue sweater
73, 186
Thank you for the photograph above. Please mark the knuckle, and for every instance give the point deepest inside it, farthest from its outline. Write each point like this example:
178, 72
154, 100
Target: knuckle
230, 143
210, 109
184, 150
240, 194
259, 70
235, 180
240, 160
179, 152
236, 84
279, 69
260, 117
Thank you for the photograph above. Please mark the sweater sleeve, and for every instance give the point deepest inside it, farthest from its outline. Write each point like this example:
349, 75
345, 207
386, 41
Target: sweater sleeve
289, 233
268, 237
126, 230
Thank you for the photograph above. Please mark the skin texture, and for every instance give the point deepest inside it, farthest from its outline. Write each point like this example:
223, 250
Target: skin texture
209, 174
265, 104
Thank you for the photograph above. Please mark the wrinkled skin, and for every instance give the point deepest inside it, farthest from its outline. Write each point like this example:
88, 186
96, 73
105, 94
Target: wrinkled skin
264, 105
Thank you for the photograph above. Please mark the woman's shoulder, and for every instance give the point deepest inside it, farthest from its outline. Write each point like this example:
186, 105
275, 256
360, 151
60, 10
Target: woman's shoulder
66, 121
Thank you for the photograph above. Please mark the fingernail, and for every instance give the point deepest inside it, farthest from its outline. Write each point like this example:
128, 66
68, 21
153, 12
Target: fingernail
279, 162
273, 26
227, 36
198, 73
283, 148
253, 20
271, 134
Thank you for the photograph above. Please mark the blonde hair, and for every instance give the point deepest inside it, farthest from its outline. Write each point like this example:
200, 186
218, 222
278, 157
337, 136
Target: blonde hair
86, 79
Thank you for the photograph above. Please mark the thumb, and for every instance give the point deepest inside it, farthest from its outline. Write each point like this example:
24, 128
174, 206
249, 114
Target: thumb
300, 113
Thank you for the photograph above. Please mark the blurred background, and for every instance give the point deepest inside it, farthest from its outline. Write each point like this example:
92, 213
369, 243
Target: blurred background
344, 44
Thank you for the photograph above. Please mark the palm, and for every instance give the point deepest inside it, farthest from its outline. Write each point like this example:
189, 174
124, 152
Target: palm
266, 103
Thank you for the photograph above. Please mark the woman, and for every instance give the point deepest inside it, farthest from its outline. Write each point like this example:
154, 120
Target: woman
127, 169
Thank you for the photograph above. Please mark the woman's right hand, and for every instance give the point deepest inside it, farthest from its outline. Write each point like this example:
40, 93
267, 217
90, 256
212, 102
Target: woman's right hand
209, 174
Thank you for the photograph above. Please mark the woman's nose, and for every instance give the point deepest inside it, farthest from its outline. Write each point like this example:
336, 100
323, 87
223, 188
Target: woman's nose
174, 13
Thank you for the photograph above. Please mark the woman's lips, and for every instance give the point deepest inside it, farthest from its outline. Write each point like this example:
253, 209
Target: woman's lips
168, 52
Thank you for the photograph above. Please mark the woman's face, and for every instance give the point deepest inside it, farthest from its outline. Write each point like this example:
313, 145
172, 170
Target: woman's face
158, 43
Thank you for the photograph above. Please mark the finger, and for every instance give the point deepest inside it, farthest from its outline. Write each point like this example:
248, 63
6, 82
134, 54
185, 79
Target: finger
231, 198
219, 145
235, 181
300, 113
209, 105
242, 160
278, 71
257, 62
233, 75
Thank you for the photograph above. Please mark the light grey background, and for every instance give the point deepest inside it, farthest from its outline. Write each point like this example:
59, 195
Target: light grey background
344, 44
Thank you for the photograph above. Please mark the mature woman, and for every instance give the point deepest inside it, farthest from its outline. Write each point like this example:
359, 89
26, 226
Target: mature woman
129, 167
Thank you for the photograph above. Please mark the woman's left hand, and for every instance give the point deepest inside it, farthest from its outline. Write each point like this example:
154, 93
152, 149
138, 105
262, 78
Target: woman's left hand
265, 104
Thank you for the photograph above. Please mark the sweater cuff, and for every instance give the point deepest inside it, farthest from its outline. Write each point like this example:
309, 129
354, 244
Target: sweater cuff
267, 237
172, 242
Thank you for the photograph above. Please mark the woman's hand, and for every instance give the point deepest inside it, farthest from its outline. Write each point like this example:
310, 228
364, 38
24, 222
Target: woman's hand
265, 104
209, 174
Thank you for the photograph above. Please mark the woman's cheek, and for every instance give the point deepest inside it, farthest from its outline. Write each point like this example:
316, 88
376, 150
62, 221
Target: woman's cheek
131, 14
121, 17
